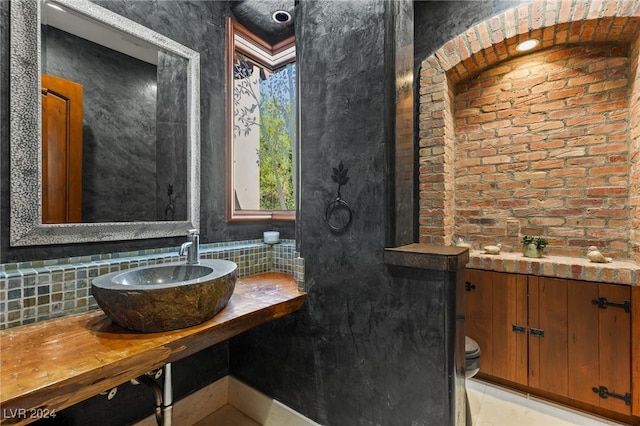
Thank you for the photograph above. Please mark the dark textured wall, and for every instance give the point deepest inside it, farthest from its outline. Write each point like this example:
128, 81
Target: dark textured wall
118, 126
368, 346
198, 25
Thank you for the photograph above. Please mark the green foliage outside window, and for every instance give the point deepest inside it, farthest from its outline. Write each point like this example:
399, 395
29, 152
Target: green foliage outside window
276, 177
277, 125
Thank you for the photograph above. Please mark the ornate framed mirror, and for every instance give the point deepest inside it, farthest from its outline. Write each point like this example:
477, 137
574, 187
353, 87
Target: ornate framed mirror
176, 205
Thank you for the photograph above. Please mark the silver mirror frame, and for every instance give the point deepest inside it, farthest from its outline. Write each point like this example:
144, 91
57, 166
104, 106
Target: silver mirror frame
26, 227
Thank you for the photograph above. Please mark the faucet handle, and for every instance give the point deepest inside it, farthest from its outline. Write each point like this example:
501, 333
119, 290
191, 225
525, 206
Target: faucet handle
192, 232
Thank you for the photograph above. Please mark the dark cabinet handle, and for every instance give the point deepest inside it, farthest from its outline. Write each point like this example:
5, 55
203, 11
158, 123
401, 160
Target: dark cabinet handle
519, 328
604, 393
602, 303
468, 286
537, 332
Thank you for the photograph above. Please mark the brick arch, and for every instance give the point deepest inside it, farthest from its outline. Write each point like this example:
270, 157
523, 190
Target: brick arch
488, 43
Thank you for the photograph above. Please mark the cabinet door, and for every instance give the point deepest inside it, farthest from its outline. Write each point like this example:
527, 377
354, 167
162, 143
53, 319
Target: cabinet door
495, 303
599, 346
583, 341
548, 336
478, 312
509, 309
614, 334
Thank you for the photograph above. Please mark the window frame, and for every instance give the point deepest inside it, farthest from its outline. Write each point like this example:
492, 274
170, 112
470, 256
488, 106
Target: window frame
239, 38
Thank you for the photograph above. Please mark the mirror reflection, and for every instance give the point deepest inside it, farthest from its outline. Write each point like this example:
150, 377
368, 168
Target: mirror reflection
114, 124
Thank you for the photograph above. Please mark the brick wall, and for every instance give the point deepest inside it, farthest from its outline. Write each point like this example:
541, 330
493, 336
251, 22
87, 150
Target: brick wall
574, 172
542, 140
436, 161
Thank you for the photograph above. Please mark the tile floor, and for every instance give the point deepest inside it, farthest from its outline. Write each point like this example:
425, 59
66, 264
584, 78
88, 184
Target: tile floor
490, 406
227, 415
493, 405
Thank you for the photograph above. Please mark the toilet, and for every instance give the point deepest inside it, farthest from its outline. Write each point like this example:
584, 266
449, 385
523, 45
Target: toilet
471, 357
472, 366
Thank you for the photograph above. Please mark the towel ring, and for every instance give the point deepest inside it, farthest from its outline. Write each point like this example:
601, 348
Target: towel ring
338, 215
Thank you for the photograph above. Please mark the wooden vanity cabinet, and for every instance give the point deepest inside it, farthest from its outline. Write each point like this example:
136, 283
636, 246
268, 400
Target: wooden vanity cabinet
565, 338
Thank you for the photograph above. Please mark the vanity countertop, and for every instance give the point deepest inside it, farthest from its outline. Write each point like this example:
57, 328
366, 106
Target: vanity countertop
51, 365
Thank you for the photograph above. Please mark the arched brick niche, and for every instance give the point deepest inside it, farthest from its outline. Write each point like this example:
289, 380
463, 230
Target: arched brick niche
543, 143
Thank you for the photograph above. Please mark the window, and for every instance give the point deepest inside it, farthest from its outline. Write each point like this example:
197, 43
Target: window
261, 127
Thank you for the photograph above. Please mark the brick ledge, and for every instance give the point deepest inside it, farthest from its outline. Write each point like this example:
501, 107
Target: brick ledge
615, 272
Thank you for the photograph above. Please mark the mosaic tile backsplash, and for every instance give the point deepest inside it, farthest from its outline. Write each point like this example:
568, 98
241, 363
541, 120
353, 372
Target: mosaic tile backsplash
40, 290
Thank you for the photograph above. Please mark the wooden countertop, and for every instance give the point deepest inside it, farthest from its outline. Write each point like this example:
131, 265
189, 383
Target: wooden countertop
51, 365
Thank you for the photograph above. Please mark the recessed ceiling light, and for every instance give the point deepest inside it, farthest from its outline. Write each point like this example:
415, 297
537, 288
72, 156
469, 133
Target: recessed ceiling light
527, 45
281, 16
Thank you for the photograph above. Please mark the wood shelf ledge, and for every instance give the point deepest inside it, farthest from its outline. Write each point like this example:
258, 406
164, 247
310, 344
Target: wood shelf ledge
427, 256
57, 363
575, 268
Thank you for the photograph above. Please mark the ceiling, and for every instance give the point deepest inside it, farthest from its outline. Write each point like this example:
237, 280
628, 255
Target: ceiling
257, 17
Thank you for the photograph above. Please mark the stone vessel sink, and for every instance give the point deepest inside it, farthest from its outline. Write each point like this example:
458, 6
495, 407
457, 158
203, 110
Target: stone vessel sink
166, 296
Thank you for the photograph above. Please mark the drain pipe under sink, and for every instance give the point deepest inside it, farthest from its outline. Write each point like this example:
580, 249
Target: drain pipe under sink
163, 395
167, 400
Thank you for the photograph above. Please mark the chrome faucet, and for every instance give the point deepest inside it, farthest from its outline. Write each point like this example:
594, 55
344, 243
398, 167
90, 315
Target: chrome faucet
192, 247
